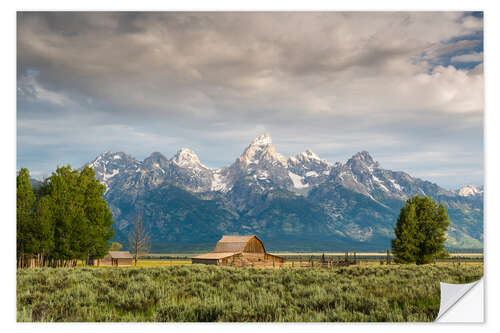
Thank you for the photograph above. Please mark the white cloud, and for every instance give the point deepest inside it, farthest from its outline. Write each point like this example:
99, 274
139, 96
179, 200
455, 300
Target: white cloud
470, 57
340, 82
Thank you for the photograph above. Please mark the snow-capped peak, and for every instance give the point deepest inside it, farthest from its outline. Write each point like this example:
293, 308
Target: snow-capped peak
262, 140
363, 156
469, 190
362, 159
186, 157
105, 158
260, 149
308, 155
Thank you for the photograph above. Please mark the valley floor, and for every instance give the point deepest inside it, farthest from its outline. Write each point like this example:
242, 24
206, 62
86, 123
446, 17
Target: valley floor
207, 293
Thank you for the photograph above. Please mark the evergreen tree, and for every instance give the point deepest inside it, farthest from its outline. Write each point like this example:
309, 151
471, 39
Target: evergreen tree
420, 231
24, 218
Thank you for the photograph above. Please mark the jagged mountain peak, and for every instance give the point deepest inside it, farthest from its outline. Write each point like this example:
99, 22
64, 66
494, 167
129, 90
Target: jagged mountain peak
362, 158
307, 155
262, 140
109, 164
261, 149
156, 155
185, 157
156, 160
363, 155
470, 190
108, 156
264, 193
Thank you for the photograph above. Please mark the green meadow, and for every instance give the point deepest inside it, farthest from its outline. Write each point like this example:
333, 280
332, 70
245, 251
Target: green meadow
190, 293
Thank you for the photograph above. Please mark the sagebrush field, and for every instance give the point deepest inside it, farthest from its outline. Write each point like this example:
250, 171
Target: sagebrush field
208, 293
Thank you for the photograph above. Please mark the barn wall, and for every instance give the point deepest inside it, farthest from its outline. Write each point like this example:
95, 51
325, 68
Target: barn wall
254, 254
271, 258
124, 261
254, 246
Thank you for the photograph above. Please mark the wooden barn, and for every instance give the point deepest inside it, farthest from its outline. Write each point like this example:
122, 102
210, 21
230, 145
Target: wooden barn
239, 251
115, 258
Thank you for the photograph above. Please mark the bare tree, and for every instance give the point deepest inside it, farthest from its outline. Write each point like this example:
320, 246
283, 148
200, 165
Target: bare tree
139, 239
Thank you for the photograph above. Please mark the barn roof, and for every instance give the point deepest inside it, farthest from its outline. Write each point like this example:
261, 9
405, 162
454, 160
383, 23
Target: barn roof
120, 255
213, 255
233, 243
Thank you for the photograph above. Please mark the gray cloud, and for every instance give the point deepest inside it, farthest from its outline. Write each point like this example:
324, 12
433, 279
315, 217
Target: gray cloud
333, 82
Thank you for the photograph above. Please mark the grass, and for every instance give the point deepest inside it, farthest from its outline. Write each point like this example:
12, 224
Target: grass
161, 263
208, 293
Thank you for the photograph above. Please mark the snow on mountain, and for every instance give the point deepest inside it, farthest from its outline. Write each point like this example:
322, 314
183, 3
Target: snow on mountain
262, 168
107, 165
311, 168
219, 182
187, 171
357, 199
362, 174
470, 190
308, 155
261, 150
297, 180
262, 140
186, 158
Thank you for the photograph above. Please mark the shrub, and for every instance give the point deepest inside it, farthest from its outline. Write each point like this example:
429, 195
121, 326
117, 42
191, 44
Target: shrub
204, 293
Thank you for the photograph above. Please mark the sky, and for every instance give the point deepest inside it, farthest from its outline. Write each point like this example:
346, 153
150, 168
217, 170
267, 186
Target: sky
407, 87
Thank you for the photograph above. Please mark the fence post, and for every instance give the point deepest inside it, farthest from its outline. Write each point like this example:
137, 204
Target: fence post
388, 257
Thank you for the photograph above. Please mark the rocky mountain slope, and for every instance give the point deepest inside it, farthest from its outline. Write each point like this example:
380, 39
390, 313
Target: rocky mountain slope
303, 202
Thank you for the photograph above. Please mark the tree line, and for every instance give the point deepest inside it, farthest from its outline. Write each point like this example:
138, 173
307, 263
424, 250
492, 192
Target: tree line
66, 219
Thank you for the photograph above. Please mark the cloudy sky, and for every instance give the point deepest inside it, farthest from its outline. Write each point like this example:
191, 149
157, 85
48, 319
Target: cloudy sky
407, 87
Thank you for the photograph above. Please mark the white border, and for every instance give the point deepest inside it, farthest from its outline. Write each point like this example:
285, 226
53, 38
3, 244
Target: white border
8, 165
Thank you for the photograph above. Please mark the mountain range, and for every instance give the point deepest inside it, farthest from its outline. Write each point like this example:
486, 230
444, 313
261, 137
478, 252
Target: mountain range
296, 203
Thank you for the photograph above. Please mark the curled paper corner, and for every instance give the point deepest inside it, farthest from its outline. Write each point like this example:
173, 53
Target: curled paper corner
462, 303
